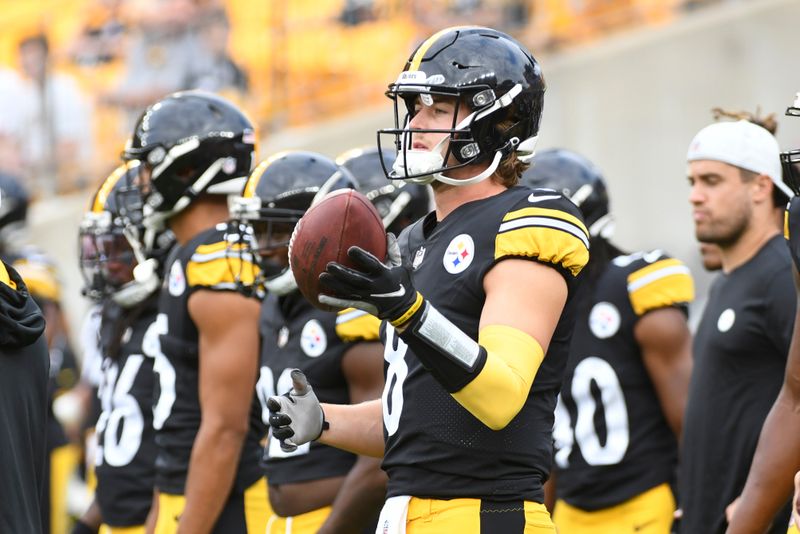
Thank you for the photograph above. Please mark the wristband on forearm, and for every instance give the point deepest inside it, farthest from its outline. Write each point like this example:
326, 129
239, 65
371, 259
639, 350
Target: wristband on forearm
503, 364
463, 358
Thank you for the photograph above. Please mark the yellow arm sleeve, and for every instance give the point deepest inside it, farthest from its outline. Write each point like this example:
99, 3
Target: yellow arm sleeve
500, 390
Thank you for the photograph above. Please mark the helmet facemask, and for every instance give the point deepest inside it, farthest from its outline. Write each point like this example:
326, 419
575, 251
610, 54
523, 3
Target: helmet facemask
790, 160
468, 140
107, 260
256, 237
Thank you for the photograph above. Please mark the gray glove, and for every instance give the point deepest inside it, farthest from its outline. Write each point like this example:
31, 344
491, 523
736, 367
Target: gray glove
296, 417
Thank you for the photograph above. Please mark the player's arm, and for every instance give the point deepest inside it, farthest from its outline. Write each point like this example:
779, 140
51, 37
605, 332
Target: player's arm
362, 492
524, 300
227, 323
777, 456
666, 345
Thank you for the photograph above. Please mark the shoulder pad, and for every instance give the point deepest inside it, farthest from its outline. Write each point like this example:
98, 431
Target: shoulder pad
357, 325
546, 226
656, 280
216, 263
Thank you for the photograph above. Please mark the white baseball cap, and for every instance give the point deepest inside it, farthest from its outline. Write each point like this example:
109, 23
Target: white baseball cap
741, 144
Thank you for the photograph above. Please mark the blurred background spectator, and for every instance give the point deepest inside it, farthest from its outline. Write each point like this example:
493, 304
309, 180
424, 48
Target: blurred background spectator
56, 144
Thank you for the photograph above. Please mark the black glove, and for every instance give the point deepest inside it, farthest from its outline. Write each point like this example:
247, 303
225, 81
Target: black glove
383, 290
296, 417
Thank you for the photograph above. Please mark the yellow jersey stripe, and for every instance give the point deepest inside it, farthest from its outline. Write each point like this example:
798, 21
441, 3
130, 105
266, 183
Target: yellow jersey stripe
545, 222
786, 223
211, 248
547, 244
4, 278
546, 212
664, 283
221, 273
655, 267
663, 292
357, 325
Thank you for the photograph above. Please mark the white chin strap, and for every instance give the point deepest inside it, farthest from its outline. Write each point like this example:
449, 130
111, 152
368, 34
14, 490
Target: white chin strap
283, 284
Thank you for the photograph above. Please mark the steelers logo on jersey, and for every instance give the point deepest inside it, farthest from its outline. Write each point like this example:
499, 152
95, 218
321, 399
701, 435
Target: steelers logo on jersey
177, 280
604, 320
726, 320
459, 254
312, 339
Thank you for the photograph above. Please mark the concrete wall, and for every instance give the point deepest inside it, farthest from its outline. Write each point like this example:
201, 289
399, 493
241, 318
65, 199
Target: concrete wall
631, 103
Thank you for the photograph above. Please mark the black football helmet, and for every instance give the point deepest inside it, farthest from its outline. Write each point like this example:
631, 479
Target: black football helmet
107, 252
790, 160
276, 195
398, 203
14, 202
579, 180
487, 71
189, 143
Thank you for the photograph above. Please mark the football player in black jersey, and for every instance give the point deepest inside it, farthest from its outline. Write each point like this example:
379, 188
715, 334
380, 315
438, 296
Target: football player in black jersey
476, 298
631, 352
313, 488
126, 451
195, 149
777, 456
24, 364
398, 203
741, 344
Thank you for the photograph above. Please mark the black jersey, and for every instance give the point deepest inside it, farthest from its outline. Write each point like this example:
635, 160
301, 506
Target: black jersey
740, 351
295, 335
791, 229
24, 364
434, 446
126, 449
200, 264
612, 440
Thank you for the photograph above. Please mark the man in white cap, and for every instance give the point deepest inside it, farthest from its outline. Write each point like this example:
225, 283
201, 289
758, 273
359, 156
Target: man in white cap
777, 457
740, 347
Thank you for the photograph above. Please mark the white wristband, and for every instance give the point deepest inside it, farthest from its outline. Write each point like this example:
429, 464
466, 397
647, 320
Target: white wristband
441, 333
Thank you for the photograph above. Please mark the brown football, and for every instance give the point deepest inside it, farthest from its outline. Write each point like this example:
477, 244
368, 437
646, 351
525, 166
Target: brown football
342, 219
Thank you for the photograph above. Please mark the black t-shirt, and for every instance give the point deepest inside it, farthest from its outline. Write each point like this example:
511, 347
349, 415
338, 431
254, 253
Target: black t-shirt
295, 335
612, 439
24, 367
740, 351
434, 446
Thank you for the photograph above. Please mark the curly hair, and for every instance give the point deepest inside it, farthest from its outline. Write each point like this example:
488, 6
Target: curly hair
769, 123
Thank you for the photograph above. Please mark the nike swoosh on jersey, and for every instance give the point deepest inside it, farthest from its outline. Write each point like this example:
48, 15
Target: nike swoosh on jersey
533, 198
398, 293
